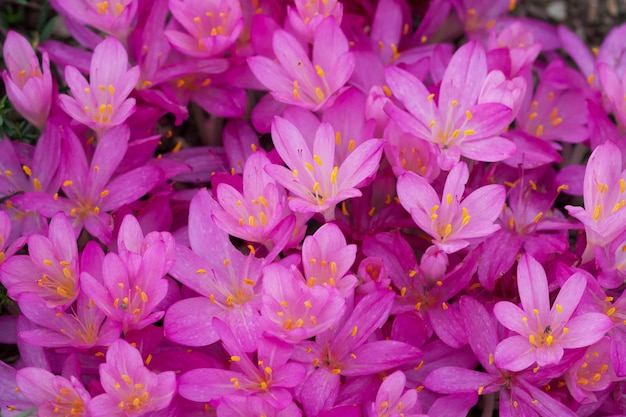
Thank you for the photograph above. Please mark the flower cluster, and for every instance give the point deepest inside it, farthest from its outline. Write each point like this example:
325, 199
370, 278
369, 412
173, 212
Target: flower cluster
368, 222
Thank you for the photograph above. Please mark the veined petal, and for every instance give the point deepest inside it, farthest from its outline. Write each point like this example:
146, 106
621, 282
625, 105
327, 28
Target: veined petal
568, 298
108, 63
464, 76
418, 197
290, 144
585, 330
511, 317
453, 379
189, 322
130, 186
378, 356
515, 354
360, 164
412, 93
533, 285
109, 153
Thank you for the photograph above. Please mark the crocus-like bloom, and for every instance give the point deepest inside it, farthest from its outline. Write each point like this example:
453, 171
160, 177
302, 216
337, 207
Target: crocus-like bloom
91, 192
130, 388
268, 379
392, 399
544, 332
103, 102
592, 373
515, 48
298, 80
226, 280
327, 259
308, 14
316, 182
28, 88
343, 350
614, 87
463, 121
294, 311
558, 110
604, 196
54, 395
255, 213
211, 26
113, 17
82, 326
453, 221
133, 282
51, 269
519, 391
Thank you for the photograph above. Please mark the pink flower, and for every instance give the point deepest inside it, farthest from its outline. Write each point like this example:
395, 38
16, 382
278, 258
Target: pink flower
130, 388
604, 196
82, 326
558, 111
255, 213
317, 184
454, 222
114, 17
103, 102
227, 282
132, 283
90, 190
28, 88
54, 395
463, 121
306, 17
210, 26
51, 271
296, 79
268, 378
544, 332
394, 399
293, 311
327, 259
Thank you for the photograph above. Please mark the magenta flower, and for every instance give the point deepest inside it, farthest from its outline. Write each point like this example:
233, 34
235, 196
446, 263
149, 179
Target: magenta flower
317, 184
210, 26
103, 102
393, 398
293, 311
604, 196
544, 332
28, 88
130, 388
425, 291
81, 326
268, 378
306, 17
327, 259
50, 271
347, 349
592, 374
226, 280
515, 47
614, 87
519, 391
91, 192
298, 80
114, 17
54, 395
454, 222
132, 284
557, 111
255, 213
462, 122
